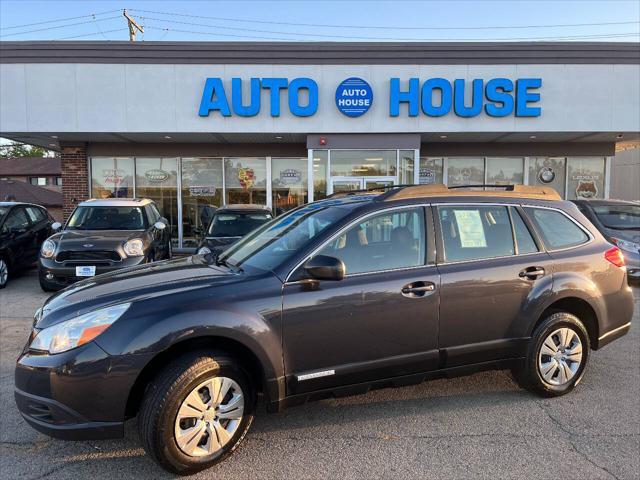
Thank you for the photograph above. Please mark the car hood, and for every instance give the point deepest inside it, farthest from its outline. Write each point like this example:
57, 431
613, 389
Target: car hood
132, 284
94, 239
629, 235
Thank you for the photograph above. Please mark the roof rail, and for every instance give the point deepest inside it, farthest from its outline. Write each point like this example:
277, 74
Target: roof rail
440, 190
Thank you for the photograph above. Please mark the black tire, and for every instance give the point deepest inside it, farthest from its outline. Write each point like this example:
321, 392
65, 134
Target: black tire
528, 374
4, 279
162, 400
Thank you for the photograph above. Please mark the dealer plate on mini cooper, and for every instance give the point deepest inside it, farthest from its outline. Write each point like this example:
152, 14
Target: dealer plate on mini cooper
86, 271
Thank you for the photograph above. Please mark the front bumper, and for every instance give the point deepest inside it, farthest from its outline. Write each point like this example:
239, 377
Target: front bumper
56, 275
81, 394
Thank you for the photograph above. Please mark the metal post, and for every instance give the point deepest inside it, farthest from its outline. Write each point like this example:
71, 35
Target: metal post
309, 175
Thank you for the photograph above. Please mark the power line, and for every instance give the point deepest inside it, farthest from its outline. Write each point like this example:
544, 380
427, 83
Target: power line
572, 37
59, 26
352, 37
386, 27
95, 33
59, 20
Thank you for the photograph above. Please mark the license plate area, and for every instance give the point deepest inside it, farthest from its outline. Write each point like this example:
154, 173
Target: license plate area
86, 271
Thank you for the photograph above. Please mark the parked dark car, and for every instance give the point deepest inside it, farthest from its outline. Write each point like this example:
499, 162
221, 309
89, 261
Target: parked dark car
619, 222
356, 291
229, 224
101, 236
23, 228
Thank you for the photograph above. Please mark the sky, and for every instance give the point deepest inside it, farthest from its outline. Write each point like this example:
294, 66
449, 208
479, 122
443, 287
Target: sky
328, 20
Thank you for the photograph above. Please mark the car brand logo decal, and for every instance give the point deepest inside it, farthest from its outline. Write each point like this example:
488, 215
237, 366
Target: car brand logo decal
309, 376
88, 245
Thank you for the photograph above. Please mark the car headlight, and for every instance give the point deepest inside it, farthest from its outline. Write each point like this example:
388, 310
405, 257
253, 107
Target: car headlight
48, 249
203, 250
134, 248
77, 331
626, 245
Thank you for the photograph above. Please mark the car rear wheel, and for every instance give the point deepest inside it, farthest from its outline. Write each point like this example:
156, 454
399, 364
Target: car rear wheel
4, 273
196, 412
556, 356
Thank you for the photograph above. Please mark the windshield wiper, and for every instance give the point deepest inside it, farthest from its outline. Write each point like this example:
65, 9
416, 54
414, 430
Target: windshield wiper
229, 265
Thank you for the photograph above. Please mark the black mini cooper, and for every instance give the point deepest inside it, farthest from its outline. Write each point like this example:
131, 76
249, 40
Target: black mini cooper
101, 236
356, 291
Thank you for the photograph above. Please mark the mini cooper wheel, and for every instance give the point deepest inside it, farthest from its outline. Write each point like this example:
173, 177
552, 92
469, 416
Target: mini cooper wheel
196, 413
4, 273
556, 356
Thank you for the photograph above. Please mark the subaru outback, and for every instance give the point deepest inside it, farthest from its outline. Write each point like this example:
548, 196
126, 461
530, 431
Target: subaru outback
358, 291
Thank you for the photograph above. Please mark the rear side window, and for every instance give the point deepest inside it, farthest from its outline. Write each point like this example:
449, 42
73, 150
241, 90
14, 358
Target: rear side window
475, 232
556, 229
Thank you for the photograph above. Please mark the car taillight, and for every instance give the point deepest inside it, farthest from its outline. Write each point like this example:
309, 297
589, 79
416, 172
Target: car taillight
614, 255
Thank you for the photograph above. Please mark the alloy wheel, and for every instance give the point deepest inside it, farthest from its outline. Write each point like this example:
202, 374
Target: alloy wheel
4, 272
209, 417
560, 356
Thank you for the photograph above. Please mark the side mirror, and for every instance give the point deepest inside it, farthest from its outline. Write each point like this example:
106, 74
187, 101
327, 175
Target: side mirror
197, 231
55, 226
323, 267
159, 226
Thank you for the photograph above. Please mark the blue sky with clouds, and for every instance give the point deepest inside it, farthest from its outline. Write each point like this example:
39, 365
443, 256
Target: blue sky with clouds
312, 20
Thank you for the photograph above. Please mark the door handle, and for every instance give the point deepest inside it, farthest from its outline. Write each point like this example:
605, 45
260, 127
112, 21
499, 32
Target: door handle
418, 289
532, 273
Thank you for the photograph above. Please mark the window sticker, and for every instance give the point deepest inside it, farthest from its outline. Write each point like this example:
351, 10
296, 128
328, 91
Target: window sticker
470, 228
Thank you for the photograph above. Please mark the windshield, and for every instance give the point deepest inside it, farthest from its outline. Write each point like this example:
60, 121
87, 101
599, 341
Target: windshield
619, 217
107, 218
278, 240
3, 210
234, 224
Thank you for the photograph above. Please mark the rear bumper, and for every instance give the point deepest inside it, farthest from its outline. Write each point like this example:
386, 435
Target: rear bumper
614, 334
55, 275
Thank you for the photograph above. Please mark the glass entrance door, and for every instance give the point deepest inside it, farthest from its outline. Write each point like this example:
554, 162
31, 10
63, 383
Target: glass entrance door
349, 184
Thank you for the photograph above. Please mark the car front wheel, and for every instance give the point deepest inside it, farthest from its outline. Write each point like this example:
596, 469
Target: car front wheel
556, 356
4, 273
196, 412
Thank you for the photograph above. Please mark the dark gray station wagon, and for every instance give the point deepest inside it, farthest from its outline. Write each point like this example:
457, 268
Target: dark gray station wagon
361, 290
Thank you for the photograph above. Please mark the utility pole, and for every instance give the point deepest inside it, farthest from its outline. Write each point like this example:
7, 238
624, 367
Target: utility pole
133, 26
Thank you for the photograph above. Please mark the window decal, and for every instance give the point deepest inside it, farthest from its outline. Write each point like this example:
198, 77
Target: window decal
470, 228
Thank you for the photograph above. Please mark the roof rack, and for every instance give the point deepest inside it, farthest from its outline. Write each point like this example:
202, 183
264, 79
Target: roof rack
440, 190
367, 190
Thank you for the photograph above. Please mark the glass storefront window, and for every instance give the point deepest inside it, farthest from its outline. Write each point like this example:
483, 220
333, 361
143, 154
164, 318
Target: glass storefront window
548, 172
465, 171
430, 170
320, 159
201, 195
157, 179
586, 177
363, 163
245, 180
505, 171
112, 177
288, 183
407, 163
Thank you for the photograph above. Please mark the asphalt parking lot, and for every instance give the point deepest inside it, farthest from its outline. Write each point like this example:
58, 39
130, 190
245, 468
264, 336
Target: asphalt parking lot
482, 426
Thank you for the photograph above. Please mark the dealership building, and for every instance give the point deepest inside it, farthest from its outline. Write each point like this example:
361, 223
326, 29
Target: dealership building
192, 125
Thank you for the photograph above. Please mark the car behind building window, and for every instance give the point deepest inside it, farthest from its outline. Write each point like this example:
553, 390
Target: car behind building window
389, 241
475, 232
556, 229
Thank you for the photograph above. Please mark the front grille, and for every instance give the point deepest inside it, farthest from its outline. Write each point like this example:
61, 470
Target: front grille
92, 255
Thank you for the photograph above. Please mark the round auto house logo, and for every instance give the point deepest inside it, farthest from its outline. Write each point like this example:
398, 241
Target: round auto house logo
354, 97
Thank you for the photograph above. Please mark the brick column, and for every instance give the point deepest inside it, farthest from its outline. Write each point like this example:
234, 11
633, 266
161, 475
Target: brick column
75, 177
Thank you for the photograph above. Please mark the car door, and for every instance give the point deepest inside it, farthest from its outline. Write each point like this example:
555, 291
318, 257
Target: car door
21, 238
493, 273
40, 225
380, 321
